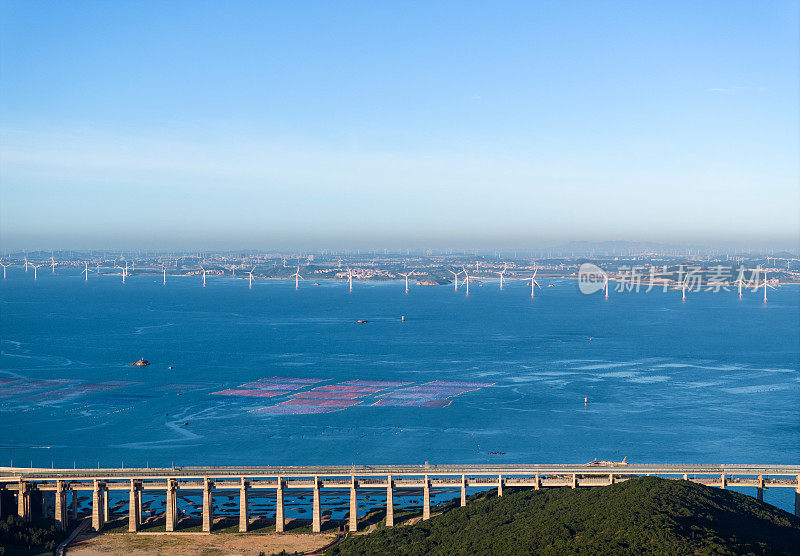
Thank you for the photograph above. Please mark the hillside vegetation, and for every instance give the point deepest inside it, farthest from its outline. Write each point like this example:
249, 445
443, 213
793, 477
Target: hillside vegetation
641, 516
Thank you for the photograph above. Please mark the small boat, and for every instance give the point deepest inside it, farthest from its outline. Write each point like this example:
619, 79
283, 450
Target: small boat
361, 321
140, 363
498, 453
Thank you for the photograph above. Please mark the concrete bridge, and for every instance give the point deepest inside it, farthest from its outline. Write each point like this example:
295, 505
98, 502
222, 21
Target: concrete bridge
19, 487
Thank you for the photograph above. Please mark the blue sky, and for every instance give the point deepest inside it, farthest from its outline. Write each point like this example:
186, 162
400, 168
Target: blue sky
374, 124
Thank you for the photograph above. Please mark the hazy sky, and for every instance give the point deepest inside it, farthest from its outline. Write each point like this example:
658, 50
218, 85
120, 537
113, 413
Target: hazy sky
372, 124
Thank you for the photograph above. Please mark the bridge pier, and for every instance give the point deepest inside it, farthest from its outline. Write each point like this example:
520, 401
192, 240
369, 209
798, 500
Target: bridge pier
24, 501
74, 505
134, 511
60, 513
574, 481
499, 485
760, 489
316, 514
44, 497
98, 517
244, 518
797, 502
353, 524
106, 509
797, 497
538, 484
610, 479
463, 491
171, 506
722, 482
426, 500
279, 522
389, 502
208, 505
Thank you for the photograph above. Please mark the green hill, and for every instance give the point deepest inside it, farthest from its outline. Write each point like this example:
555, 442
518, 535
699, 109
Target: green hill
641, 516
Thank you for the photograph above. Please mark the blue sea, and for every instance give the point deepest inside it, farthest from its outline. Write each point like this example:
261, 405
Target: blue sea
710, 380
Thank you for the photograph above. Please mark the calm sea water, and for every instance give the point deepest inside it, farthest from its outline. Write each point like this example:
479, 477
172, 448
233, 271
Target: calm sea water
714, 379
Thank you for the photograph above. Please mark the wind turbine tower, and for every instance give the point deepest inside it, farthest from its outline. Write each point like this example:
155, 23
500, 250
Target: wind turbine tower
505, 267
406, 276
534, 283
766, 285
466, 278
250, 285
53, 261
605, 284
297, 278
204, 276
86, 272
350, 279
740, 282
4, 265
34, 269
455, 279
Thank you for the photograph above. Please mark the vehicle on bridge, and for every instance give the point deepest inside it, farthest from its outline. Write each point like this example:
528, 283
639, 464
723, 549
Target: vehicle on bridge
603, 463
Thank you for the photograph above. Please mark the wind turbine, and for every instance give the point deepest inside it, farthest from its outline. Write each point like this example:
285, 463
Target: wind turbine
34, 269
124, 271
26, 263
350, 279
250, 285
4, 265
407, 275
164, 273
534, 283
605, 284
740, 282
86, 272
505, 267
455, 279
466, 278
683, 287
53, 261
297, 278
204, 276
766, 285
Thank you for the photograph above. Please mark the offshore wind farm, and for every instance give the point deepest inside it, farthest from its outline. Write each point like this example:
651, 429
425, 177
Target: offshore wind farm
279, 371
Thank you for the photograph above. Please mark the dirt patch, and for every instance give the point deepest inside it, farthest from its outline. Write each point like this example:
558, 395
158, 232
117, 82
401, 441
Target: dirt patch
185, 544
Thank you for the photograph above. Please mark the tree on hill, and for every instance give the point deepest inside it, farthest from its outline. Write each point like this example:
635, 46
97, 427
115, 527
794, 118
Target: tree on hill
646, 515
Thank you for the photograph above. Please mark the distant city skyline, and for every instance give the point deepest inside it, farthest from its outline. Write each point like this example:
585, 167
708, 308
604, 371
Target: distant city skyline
369, 125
